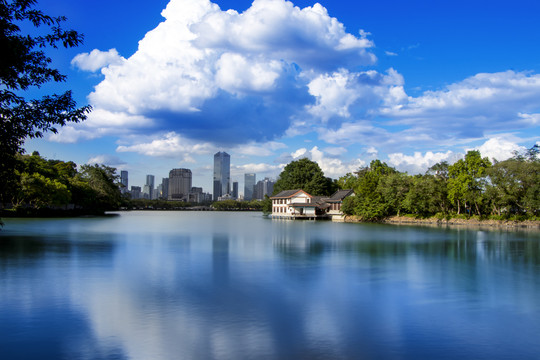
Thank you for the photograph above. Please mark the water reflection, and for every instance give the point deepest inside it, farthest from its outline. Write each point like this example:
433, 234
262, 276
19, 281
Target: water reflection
220, 260
220, 286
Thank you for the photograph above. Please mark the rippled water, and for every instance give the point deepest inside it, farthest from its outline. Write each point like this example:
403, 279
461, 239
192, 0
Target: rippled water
207, 285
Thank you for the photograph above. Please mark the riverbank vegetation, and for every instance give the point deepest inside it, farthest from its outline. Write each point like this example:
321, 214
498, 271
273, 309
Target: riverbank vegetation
46, 187
472, 187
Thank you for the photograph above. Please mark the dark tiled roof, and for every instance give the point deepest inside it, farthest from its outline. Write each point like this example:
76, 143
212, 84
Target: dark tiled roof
340, 195
304, 205
319, 199
316, 201
287, 194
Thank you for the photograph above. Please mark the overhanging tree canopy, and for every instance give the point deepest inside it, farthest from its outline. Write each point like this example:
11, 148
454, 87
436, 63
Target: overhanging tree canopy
24, 65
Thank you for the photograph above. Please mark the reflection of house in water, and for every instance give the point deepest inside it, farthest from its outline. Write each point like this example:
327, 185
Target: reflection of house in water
298, 204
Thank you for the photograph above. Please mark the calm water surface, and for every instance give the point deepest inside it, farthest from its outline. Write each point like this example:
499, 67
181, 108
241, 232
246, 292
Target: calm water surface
205, 285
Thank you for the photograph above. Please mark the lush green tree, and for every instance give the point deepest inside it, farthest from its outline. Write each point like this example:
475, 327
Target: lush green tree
40, 191
306, 175
514, 186
347, 182
101, 187
394, 188
467, 180
40, 183
349, 205
438, 185
423, 198
24, 65
266, 205
369, 202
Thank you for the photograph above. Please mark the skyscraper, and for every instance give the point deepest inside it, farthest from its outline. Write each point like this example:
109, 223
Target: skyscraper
149, 186
222, 174
263, 187
249, 183
124, 181
179, 184
135, 192
235, 190
165, 188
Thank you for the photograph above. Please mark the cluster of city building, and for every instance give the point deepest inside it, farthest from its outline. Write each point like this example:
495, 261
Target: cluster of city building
178, 186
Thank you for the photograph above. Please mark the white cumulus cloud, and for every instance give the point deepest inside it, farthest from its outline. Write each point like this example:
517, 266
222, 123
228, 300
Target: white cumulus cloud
96, 59
223, 76
345, 94
476, 106
169, 145
106, 159
419, 163
499, 149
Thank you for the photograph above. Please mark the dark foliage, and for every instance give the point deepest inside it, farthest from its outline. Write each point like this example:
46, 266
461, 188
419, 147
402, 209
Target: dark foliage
25, 65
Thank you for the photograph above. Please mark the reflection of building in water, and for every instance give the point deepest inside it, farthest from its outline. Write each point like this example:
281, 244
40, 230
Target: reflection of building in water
289, 238
220, 259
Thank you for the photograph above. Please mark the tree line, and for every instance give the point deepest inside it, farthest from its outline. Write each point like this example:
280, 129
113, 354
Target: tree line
38, 185
473, 186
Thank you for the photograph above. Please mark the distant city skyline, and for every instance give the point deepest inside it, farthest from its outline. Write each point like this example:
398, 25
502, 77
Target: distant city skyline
178, 185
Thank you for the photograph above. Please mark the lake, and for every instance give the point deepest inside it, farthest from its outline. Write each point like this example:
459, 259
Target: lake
237, 285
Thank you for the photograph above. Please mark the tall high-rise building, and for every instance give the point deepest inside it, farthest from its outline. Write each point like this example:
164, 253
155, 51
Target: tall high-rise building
235, 190
135, 192
263, 187
179, 184
222, 174
124, 181
148, 188
249, 183
165, 188
146, 192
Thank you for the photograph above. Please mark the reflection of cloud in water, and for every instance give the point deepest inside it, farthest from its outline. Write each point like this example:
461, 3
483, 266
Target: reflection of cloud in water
155, 311
170, 329
291, 293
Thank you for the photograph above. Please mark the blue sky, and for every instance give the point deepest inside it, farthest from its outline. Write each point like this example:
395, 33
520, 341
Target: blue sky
409, 82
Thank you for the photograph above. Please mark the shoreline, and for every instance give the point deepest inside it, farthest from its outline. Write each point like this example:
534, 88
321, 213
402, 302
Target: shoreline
405, 220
